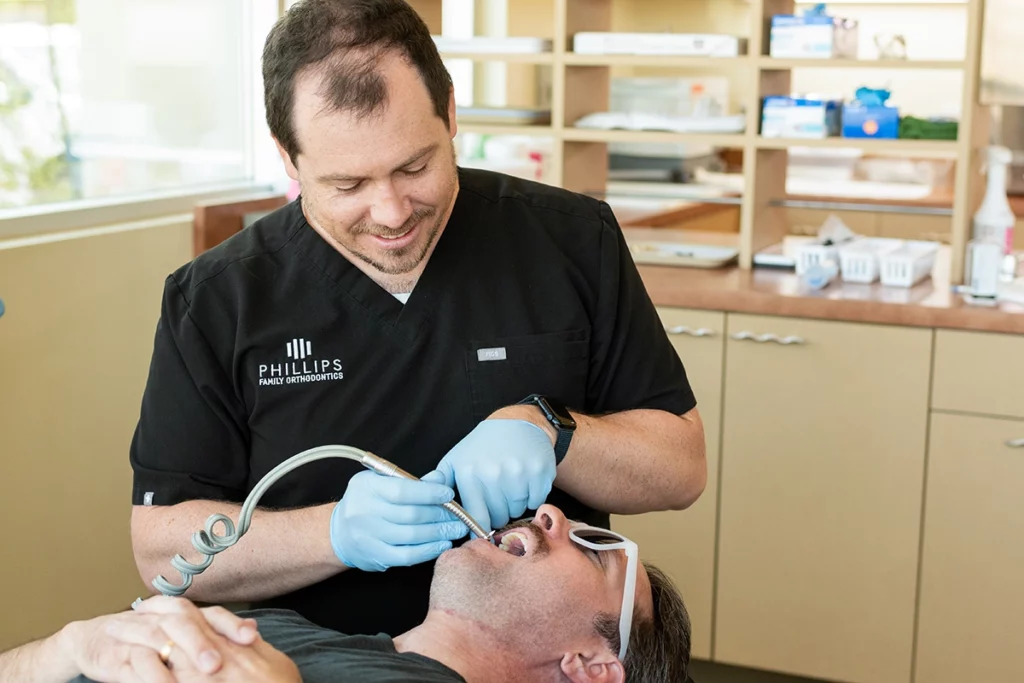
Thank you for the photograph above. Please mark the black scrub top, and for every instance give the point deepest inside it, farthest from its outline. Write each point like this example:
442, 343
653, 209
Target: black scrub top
273, 343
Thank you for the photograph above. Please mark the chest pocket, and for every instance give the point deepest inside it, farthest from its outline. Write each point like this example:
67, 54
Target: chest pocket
505, 370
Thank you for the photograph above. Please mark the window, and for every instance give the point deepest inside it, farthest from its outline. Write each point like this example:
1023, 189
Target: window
113, 98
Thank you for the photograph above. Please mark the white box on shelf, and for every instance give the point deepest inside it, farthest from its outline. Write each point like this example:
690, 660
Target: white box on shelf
861, 260
800, 117
908, 265
674, 44
813, 37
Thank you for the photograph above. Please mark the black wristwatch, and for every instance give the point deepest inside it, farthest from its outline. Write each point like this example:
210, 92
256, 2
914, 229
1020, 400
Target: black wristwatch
559, 417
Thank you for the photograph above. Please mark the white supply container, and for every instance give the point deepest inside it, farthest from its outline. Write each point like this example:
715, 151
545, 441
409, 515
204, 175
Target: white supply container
814, 254
908, 265
861, 260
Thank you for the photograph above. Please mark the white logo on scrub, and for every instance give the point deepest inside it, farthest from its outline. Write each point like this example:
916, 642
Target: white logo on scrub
300, 367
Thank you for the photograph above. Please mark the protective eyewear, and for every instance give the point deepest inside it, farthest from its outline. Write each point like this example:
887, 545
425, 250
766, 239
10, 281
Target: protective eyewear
598, 539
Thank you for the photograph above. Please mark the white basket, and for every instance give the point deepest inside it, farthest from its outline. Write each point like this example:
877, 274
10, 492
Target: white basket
860, 260
908, 265
813, 254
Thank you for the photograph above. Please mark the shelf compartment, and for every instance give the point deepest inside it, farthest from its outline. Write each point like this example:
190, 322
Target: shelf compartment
653, 136
778, 64
493, 129
660, 61
540, 58
867, 144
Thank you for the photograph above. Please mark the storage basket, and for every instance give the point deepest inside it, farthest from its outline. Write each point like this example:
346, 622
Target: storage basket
860, 260
908, 265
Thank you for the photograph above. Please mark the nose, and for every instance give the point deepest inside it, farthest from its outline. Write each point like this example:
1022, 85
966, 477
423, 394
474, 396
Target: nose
552, 523
390, 208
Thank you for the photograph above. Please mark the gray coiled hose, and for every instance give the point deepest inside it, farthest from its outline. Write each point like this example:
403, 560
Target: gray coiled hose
208, 542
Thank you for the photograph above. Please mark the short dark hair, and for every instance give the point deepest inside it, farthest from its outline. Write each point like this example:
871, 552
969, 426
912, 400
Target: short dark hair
345, 38
659, 645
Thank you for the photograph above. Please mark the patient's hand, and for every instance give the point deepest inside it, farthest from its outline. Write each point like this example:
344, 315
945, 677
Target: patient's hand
257, 663
126, 646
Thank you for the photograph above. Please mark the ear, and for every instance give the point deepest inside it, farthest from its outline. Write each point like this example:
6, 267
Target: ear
453, 124
599, 667
289, 166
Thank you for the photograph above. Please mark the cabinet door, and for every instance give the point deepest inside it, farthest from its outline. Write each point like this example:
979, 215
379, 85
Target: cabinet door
682, 543
971, 619
822, 473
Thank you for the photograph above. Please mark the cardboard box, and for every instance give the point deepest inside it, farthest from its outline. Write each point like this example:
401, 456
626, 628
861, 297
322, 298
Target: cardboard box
795, 117
870, 122
813, 36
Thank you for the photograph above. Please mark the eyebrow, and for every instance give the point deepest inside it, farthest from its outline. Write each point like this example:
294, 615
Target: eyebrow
343, 178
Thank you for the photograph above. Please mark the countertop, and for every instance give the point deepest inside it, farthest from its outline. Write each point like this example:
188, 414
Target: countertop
931, 303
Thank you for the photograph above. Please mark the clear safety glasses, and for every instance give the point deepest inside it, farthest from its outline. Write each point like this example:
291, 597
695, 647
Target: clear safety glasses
598, 539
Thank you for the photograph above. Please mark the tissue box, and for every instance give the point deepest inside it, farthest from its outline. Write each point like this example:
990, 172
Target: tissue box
794, 117
813, 37
870, 122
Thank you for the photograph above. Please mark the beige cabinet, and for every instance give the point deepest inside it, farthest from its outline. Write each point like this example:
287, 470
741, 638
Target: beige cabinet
683, 542
75, 345
822, 474
979, 372
971, 621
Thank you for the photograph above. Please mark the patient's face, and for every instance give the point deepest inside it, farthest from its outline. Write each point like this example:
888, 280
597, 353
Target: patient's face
546, 598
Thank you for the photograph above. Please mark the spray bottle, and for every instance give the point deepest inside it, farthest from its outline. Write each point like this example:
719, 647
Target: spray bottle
994, 220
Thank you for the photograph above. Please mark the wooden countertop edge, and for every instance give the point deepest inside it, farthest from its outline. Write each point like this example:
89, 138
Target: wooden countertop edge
957, 317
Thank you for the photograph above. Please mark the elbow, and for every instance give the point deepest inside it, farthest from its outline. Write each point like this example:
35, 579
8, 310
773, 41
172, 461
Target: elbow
145, 552
691, 476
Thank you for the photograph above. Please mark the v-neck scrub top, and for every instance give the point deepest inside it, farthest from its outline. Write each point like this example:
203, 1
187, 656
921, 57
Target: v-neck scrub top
273, 343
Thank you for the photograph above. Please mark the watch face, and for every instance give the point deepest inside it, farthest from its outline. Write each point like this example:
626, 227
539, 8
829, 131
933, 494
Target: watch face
557, 413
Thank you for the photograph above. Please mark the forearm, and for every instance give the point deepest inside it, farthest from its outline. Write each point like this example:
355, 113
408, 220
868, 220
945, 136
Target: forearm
43, 661
636, 461
281, 552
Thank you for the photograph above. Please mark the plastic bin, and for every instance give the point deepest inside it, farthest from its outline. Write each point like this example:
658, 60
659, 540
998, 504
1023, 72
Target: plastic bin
908, 265
860, 260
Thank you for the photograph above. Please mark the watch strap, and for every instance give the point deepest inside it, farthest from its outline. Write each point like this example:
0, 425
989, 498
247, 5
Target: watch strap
562, 445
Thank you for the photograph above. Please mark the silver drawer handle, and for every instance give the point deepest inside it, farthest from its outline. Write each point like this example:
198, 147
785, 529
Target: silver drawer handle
765, 338
1015, 443
689, 331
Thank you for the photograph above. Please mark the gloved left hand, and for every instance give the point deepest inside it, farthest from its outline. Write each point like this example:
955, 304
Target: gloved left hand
502, 468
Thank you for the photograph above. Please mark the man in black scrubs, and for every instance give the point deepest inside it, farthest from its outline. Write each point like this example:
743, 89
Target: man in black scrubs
487, 334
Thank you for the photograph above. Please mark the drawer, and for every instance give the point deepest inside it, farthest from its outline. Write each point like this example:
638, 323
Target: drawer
977, 372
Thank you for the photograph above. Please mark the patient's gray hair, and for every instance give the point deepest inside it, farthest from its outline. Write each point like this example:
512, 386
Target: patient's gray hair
659, 647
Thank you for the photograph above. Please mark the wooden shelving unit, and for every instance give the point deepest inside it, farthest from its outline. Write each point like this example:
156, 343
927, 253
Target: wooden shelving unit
581, 85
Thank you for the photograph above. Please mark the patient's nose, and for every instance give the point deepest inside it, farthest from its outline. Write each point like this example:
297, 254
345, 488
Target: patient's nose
552, 522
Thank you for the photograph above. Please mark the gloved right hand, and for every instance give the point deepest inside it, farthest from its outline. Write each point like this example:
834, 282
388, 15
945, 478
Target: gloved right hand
384, 522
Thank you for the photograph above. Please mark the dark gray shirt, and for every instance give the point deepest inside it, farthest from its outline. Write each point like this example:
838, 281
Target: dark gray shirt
325, 656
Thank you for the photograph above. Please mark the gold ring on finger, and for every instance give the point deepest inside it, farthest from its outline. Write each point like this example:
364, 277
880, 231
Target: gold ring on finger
166, 650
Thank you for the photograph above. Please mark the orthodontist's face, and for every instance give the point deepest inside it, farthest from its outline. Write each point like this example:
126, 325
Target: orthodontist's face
548, 597
380, 188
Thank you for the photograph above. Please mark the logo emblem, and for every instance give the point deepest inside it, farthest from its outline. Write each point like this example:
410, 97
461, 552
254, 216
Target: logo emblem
299, 367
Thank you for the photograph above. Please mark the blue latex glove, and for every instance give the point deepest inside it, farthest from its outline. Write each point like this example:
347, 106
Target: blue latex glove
501, 468
384, 522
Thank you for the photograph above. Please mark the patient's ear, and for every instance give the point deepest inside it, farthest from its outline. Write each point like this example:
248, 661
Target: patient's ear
289, 163
593, 667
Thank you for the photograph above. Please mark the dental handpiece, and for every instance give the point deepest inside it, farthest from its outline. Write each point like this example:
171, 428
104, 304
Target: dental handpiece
208, 542
382, 466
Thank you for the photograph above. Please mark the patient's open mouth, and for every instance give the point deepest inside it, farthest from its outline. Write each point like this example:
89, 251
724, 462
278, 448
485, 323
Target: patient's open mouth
514, 542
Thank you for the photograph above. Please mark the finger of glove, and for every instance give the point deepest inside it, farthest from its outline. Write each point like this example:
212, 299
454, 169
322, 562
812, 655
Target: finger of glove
517, 494
540, 488
437, 477
474, 501
410, 491
419, 534
412, 514
408, 555
497, 503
